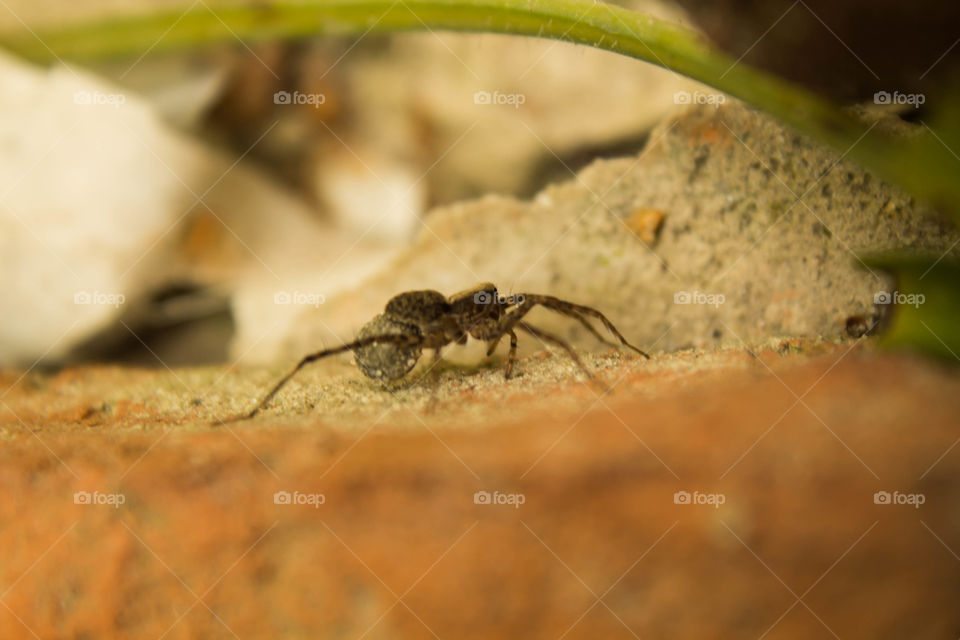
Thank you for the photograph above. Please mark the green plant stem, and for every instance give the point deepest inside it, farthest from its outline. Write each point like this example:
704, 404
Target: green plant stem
923, 166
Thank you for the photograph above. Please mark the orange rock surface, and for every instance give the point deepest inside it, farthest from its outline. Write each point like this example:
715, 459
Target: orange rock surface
785, 456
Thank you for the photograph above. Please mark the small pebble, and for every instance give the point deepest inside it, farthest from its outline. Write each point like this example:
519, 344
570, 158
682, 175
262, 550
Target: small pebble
646, 223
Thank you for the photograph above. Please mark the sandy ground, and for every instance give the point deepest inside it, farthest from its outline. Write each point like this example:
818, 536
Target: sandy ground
463, 387
125, 514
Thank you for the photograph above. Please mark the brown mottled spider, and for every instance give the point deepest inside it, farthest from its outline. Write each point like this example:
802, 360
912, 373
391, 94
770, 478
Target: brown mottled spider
388, 346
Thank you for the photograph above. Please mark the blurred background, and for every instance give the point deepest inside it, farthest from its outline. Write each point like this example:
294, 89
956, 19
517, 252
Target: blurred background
180, 197
239, 202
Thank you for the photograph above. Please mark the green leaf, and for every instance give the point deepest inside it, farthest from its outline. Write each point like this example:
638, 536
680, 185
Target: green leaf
925, 307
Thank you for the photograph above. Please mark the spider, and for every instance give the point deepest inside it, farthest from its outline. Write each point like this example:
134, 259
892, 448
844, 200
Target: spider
388, 346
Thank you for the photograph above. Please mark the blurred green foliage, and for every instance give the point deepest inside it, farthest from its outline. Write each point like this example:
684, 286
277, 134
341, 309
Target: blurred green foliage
924, 305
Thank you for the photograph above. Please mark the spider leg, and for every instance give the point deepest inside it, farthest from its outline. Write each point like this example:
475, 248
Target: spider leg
589, 327
547, 337
313, 357
515, 315
574, 311
512, 356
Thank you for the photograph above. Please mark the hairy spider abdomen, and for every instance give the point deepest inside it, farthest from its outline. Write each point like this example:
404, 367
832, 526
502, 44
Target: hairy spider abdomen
388, 361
